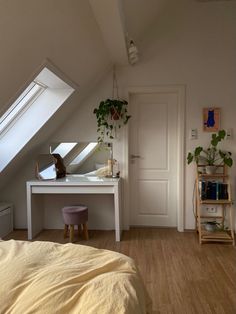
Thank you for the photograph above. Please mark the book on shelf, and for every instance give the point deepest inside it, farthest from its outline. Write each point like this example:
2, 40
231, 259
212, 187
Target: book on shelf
213, 190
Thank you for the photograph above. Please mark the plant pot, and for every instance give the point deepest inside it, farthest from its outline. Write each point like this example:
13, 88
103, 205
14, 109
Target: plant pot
211, 226
115, 114
210, 169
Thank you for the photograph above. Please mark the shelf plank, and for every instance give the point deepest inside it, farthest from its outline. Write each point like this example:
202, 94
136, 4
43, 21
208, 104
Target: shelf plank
215, 175
218, 240
212, 217
216, 235
220, 202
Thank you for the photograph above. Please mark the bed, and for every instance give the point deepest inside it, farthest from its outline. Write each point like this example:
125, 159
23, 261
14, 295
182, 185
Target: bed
46, 277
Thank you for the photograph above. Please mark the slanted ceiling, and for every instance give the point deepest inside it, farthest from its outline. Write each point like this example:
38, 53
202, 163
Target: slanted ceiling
109, 16
66, 34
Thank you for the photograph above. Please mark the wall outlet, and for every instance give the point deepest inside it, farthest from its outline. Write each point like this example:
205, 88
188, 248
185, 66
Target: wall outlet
211, 209
229, 134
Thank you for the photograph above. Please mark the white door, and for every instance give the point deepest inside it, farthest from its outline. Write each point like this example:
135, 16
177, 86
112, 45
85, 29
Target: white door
153, 159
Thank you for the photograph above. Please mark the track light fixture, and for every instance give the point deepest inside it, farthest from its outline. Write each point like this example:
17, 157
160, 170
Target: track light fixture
132, 53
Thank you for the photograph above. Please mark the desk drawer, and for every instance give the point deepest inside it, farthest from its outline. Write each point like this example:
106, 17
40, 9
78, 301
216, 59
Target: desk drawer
72, 190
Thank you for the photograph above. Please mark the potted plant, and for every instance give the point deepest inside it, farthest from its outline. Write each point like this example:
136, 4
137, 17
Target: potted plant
111, 114
211, 156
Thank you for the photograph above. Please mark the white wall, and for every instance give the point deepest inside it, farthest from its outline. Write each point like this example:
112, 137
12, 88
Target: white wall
192, 44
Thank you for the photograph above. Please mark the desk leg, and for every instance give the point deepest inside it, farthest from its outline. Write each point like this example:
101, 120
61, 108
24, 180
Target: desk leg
117, 213
35, 211
29, 216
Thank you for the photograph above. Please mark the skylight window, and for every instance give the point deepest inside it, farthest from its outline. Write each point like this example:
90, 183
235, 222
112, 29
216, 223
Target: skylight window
84, 153
21, 104
63, 149
31, 110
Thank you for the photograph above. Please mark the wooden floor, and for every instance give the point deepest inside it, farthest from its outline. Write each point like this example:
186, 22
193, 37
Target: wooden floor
180, 275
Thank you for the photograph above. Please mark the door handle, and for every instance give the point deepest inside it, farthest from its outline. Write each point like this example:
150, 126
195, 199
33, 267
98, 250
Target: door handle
135, 156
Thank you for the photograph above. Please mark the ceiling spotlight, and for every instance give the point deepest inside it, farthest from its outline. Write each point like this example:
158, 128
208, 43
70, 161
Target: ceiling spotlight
132, 53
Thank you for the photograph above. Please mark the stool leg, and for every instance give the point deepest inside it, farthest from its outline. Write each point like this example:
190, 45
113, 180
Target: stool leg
65, 231
85, 230
79, 230
71, 233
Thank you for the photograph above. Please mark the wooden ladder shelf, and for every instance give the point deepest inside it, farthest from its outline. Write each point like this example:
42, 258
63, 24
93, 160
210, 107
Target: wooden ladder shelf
215, 190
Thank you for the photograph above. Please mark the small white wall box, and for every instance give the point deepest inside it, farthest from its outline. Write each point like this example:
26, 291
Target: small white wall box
6, 219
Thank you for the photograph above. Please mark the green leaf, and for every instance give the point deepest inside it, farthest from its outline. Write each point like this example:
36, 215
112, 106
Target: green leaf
198, 151
228, 162
222, 134
190, 158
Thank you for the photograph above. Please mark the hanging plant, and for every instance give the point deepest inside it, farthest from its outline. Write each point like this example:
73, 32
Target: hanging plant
111, 114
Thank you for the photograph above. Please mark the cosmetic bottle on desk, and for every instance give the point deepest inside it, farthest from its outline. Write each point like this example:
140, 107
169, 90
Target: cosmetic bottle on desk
116, 171
109, 167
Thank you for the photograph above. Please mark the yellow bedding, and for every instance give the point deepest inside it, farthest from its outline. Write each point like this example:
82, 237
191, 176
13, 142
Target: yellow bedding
45, 277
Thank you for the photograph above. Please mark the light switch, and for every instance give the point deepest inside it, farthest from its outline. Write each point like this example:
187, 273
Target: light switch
193, 134
229, 134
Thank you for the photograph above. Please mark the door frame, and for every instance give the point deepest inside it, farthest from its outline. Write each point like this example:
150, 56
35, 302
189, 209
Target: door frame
180, 91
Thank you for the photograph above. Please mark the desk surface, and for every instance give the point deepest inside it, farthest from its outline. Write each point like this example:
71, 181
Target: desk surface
77, 179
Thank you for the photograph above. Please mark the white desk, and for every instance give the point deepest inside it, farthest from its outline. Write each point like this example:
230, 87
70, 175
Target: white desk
71, 184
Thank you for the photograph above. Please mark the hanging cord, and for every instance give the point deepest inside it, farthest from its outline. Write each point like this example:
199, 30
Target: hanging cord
193, 200
115, 84
116, 113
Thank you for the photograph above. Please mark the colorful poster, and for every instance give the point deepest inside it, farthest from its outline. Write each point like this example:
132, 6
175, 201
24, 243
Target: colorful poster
211, 119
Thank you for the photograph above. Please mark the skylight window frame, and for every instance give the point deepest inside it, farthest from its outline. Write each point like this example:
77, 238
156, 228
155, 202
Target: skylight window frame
21, 131
17, 102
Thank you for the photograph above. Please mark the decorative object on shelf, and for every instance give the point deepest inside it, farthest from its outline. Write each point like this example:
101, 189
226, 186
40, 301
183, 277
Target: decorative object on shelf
60, 167
211, 119
45, 167
211, 157
211, 226
213, 190
111, 114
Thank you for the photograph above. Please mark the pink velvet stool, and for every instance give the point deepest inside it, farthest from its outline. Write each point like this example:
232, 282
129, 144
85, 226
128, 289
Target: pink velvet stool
75, 215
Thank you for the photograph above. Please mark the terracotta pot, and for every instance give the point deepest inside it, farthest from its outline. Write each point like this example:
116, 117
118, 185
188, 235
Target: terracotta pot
115, 114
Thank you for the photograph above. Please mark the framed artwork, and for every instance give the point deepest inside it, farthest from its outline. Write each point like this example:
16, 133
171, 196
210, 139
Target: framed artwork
211, 119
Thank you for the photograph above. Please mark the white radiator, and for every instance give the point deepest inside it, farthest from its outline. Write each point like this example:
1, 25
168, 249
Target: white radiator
6, 219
